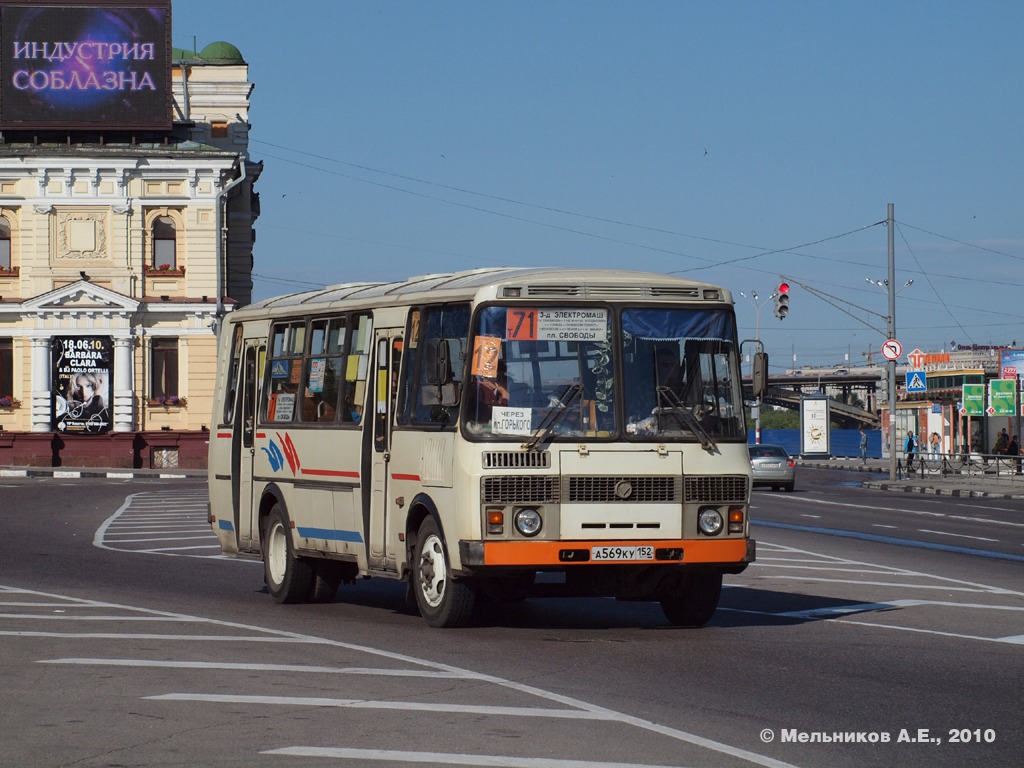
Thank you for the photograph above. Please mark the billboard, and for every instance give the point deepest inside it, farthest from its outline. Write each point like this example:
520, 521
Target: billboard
85, 65
815, 434
82, 384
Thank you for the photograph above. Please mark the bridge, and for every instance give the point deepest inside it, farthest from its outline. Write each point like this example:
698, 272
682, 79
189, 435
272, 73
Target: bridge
786, 391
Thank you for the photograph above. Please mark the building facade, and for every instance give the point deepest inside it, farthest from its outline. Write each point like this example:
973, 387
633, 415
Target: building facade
121, 248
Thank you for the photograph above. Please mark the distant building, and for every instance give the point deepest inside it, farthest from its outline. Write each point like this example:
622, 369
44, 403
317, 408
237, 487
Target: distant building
126, 232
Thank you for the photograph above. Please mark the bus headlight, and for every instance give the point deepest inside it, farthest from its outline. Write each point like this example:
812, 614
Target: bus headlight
710, 521
527, 521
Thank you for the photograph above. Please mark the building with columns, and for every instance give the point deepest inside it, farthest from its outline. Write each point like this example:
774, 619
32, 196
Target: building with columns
122, 245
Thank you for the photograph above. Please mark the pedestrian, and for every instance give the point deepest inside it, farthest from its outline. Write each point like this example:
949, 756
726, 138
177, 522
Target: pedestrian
933, 444
863, 446
910, 448
1014, 450
1002, 443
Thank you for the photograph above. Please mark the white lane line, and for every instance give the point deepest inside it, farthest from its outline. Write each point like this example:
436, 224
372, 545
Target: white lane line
230, 666
956, 535
403, 705
904, 510
449, 758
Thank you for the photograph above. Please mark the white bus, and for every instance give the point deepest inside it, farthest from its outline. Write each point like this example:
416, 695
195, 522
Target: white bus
486, 435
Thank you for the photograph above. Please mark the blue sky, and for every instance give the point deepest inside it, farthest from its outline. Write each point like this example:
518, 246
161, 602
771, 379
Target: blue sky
732, 142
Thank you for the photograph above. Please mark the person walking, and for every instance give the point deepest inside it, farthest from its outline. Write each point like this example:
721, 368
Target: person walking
863, 446
933, 445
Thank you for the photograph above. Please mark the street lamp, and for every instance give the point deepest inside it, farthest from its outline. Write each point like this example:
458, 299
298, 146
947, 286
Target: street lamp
753, 299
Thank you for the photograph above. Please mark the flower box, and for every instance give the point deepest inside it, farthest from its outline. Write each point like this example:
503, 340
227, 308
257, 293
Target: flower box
170, 401
10, 271
163, 270
8, 401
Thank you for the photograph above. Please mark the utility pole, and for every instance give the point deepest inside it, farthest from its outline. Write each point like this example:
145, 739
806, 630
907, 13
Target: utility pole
753, 299
891, 322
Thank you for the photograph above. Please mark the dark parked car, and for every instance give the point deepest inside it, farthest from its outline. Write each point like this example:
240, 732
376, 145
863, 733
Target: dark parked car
772, 466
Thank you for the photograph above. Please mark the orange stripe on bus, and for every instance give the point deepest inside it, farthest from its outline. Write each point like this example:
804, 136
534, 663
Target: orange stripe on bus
546, 552
414, 478
223, 434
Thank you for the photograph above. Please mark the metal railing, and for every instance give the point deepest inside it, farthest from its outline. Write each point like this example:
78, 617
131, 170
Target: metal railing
980, 465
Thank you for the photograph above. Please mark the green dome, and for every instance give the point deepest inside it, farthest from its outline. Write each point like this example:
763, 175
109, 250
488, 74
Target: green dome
221, 53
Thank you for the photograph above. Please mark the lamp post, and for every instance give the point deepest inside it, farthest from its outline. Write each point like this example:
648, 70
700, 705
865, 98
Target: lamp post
752, 298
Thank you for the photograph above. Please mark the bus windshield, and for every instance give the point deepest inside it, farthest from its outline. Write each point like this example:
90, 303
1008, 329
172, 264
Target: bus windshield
569, 372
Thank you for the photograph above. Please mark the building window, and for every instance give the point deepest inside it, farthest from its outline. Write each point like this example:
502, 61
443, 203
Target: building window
5, 245
7, 368
163, 384
165, 237
219, 129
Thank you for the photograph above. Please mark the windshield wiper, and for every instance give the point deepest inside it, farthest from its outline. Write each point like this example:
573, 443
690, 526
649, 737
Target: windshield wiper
684, 417
559, 407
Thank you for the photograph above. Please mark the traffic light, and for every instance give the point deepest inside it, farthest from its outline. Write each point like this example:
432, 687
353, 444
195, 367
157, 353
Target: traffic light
782, 300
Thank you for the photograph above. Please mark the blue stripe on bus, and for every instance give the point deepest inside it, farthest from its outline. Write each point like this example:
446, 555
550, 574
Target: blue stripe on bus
330, 534
225, 525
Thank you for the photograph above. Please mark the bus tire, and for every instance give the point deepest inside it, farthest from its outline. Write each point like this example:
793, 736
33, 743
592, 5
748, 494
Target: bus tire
695, 601
289, 578
326, 579
442, 600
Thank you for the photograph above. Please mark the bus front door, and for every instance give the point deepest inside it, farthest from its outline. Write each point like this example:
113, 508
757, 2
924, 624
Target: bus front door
245, 521
388, 355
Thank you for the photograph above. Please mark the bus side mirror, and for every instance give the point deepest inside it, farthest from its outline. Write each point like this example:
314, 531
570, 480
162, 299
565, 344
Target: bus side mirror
759, 378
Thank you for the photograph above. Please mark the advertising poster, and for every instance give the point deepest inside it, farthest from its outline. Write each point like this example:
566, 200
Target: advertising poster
1002, 397
814, 427
85, 65
82, 384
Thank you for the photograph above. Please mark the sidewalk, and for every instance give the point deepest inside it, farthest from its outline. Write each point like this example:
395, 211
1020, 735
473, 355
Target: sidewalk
975, 484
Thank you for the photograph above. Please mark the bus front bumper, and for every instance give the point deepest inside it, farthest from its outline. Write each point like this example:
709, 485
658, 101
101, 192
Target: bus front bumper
732, 555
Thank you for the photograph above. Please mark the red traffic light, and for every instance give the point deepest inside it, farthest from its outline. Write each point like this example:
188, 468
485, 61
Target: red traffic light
783, 287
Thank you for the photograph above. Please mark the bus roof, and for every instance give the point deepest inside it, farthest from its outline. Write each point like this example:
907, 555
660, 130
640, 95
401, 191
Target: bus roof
548, 283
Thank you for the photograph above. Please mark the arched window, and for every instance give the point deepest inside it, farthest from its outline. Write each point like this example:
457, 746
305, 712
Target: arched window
5, 244
165, 238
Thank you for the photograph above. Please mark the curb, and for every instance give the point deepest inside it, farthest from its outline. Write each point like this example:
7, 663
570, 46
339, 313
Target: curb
113, 474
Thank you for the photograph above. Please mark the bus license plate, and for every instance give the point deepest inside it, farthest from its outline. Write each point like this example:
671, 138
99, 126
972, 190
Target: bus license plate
622, 553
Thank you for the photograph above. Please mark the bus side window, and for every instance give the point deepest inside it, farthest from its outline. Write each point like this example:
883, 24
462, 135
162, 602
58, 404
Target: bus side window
441, 364
287, 344
233, 374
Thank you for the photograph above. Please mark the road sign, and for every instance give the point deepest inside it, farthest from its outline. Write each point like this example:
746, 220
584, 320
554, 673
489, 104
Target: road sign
892, 349
917, 381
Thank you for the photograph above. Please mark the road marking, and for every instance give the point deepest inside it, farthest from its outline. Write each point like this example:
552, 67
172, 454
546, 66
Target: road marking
403, 705
882, 539
449, 758
575, 708
956, 535
229, 666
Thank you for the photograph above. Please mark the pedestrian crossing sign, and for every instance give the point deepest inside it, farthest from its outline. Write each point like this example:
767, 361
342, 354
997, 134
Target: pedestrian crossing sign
917, 381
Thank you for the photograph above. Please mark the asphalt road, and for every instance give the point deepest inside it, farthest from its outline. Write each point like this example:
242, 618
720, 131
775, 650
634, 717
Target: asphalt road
888, 621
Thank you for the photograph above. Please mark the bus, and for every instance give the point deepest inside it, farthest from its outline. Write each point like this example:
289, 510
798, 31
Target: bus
487, 435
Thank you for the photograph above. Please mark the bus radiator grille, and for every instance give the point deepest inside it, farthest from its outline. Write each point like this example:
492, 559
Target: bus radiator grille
715, 490
510, 490
584, 489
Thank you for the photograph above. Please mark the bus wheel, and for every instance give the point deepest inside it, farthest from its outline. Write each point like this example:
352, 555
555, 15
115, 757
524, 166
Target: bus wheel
289, 578
442, 600
325, 582
694, 602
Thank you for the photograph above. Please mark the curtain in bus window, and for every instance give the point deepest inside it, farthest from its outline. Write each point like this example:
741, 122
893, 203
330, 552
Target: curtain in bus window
658, 325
